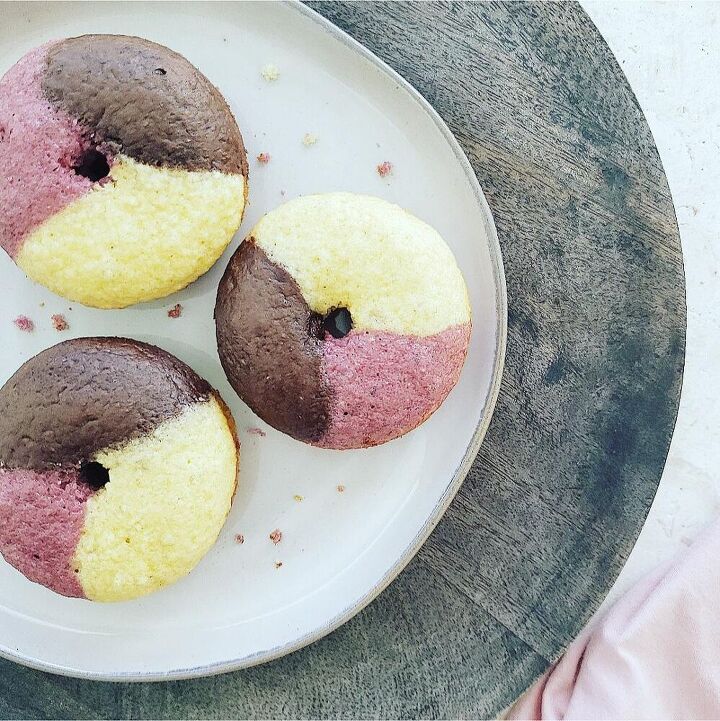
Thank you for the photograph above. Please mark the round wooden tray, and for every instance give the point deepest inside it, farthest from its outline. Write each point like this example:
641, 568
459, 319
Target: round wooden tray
570, 465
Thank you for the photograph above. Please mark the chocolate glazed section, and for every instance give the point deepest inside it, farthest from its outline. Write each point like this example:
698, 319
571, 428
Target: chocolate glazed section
83, 395
145, 101
269, 346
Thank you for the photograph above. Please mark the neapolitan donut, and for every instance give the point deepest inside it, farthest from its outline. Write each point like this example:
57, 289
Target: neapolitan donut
342, 320
123, 174
118, 465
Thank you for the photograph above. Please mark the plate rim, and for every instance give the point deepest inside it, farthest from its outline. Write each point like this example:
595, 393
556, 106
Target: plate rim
457, 477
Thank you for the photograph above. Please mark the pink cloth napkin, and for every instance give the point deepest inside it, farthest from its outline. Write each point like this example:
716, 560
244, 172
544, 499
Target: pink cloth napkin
655, 654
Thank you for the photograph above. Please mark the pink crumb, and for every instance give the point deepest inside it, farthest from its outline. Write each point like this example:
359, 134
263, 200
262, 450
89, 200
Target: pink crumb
263, 158
276, 536
24, 324
239, 538
385, 168
256, 432
59, 322
175, 311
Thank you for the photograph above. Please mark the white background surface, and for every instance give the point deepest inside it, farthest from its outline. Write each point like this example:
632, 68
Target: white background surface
670, 53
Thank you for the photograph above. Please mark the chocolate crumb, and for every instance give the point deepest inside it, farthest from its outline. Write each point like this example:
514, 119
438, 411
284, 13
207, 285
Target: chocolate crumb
276, 536
263, 158
239, 538
278, 564
23, 323
341, 489
59, 322
175, 311
385, 168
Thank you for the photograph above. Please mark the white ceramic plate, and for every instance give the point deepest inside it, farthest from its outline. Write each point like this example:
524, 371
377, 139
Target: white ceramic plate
338, 550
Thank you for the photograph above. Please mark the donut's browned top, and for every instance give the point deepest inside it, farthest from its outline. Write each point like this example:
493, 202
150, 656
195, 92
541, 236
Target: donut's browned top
145, 101
88, 394
264, 323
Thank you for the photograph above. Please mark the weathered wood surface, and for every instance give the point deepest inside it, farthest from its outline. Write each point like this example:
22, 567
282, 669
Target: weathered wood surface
574, 454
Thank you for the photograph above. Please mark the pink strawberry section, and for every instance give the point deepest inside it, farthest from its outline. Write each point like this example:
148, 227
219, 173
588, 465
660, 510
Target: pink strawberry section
384, 385
41, 519
38, 147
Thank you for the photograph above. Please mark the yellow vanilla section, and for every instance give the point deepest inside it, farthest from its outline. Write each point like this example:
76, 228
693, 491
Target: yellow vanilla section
145, 234
163, 507
391, 270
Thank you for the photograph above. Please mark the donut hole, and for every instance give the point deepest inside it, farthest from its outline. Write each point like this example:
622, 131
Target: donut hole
92, 165
94, 474
337, 322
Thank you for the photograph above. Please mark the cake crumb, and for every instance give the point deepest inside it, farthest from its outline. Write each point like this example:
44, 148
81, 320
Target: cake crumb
175, 311
309, 139
256, 432
276, 536
59, 322
278, 564
239, 538
298, 498
270, 73
263, 158
23, 323
341, 489
385, 168
42, 303
282, 192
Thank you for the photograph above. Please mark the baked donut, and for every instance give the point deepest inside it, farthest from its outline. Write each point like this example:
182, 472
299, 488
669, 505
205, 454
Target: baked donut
342, 320
123, 174
118, 465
